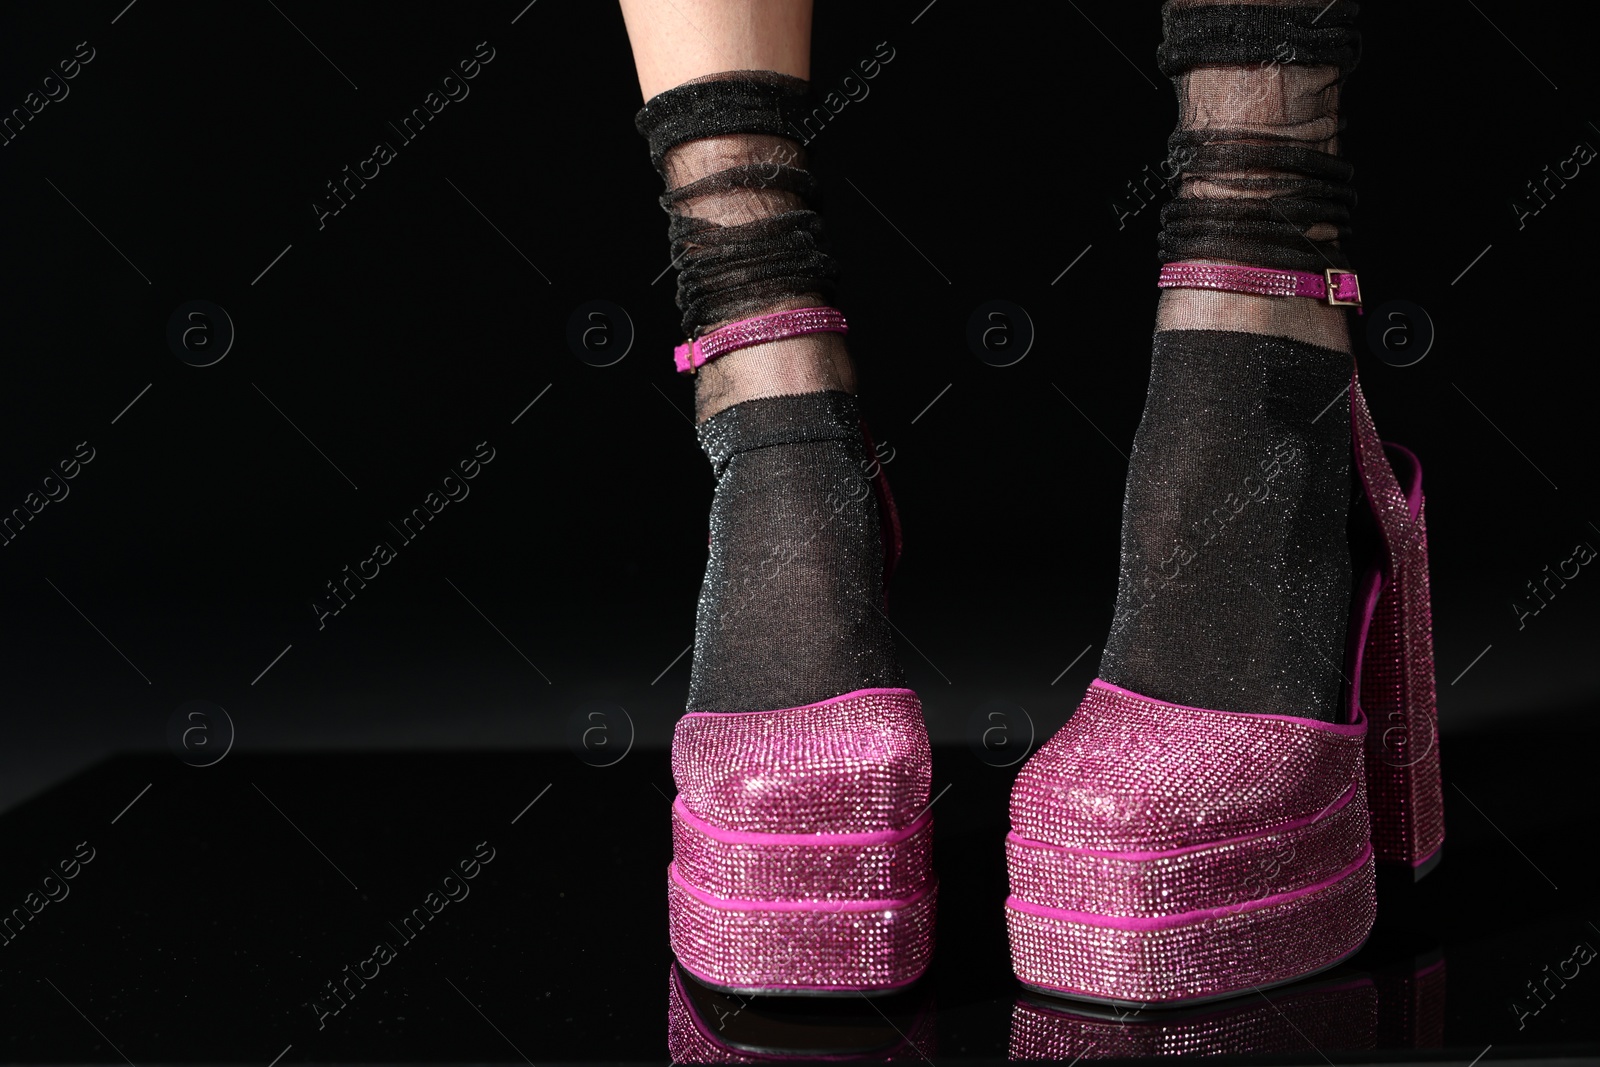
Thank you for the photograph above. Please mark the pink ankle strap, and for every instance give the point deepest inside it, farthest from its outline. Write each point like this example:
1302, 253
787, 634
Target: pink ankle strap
1337, 287
754, 331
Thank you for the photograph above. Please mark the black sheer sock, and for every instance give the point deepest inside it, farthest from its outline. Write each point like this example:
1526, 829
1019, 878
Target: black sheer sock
791, 609
1235, 578
1235, 582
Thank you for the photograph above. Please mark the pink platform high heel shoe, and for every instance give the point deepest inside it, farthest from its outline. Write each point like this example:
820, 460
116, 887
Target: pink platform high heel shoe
802, 846
802, 838
1169, 855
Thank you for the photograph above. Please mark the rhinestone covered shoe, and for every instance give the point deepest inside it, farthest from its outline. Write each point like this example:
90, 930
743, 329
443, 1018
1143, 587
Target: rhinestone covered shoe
1169, 855
802, 846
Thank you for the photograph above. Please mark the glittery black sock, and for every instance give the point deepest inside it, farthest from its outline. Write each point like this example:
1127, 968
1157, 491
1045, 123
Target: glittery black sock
791, 607
1235, 581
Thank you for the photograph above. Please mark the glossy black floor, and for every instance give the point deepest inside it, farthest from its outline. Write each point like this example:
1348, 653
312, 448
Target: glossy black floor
217, 914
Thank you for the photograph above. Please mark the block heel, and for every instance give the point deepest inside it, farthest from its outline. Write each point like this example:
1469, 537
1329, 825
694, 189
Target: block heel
1395, 665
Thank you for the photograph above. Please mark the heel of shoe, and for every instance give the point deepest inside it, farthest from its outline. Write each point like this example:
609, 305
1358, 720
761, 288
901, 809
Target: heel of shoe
1395, 669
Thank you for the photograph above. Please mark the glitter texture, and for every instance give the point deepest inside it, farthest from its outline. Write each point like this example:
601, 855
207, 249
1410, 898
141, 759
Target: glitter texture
791, 609
802, 845
829, 947
1232, 873
1127, 773
855, 764
1230, 951
889, 870
1234, 580
1244, 860
1398, 691
754, 331
1345, 289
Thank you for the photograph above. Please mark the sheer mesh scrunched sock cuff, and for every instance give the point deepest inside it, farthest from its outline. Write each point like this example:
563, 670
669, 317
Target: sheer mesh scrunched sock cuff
790, 610
745, 234
791, 607
1257, 137
1235, 581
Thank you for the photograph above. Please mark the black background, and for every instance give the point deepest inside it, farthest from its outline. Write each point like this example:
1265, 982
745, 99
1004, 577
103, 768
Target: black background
984, 161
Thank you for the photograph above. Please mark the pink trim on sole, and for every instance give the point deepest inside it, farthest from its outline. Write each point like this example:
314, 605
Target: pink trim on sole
1164, 853
893, 865
1224, 953
1136, 827
1225, 874
1276, 831
845, 905
741, 837
1195, 917
834, 946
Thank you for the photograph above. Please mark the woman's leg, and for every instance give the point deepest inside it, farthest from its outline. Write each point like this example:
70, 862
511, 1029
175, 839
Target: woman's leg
1235, 577
1252, 838
790, 619
700, 41
790, 610
676, 41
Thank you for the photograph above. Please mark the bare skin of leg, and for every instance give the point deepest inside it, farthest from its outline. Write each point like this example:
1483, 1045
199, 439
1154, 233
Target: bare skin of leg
1206, 309
675, 41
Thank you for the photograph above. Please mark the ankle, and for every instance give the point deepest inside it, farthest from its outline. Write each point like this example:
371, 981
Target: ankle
1299, 319
791, 606
811, 363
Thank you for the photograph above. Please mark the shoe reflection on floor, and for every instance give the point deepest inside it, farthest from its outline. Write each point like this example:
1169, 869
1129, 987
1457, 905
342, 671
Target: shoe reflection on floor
707, 1026
1379, 1000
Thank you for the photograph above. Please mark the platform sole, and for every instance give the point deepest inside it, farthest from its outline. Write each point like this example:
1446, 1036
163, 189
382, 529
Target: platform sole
801, 948
1188, 959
